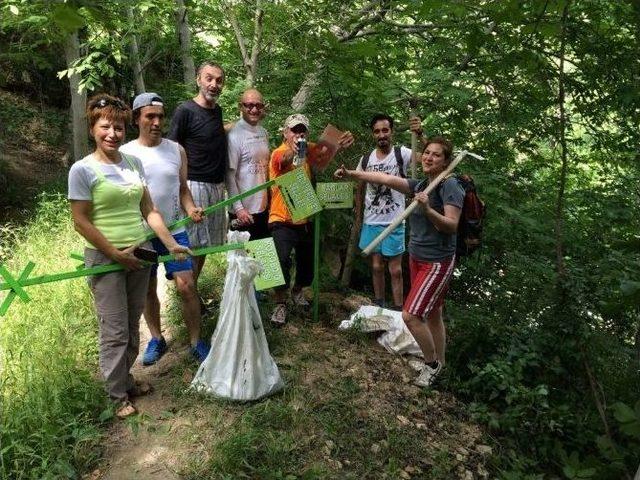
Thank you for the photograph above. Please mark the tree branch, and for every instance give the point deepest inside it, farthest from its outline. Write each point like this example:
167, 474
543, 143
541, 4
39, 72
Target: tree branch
242, 44
257, 38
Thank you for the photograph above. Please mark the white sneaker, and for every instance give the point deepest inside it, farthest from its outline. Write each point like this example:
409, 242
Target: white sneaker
417, 365
299, 300
279, 316
428, 375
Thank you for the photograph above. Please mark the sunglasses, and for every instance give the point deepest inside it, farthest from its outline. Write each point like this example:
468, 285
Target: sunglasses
104, 102
251, 106
299, 128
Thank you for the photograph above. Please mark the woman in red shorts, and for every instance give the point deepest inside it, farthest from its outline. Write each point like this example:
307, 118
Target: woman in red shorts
432, 247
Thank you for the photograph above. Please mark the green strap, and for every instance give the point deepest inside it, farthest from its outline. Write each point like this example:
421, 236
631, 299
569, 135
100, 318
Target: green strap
95, 166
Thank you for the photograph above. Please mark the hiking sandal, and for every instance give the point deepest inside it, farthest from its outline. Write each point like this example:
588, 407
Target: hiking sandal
126, 409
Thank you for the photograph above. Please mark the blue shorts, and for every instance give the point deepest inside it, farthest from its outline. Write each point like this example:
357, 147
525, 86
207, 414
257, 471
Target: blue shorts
173, 266
391, 246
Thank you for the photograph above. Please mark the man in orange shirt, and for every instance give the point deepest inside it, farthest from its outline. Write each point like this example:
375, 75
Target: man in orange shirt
287, 234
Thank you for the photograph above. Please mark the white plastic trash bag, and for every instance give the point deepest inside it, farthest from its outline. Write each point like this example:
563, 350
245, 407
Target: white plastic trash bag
239, 365
396, 337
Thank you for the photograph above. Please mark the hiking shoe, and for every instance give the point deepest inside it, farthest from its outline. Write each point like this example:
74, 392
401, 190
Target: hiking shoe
155, 349
200, 351
299, 300
428, 375
416, 365
279, 316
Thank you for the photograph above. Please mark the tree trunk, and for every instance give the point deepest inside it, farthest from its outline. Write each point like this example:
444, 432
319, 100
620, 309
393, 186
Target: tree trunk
562, 126
257, 43
184, 36
78, 99
302, 96
345, 280
135, 56
249, 60
638, 342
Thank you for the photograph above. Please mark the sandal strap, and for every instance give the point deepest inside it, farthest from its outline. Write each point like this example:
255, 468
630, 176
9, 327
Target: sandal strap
125, 406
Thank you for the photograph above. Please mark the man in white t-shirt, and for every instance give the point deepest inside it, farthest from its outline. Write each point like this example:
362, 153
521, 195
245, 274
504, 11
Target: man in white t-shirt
382, 205
248, 159
165, 166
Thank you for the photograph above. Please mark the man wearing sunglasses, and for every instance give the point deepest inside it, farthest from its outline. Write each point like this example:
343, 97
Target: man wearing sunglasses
248, 157
287, 234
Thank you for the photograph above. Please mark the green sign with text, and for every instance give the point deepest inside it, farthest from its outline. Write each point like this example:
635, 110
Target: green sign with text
264, 251
298, 194
335, 194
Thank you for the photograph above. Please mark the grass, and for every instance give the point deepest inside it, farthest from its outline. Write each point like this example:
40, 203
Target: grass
346, 412
51, 399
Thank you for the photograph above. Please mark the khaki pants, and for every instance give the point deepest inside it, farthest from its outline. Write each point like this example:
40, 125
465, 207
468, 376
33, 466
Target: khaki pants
119, 298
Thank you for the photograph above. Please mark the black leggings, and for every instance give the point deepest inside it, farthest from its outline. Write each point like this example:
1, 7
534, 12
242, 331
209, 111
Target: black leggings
299, 237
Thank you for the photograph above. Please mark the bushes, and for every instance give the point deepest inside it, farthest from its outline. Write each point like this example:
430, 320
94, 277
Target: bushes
51, 400
531, 352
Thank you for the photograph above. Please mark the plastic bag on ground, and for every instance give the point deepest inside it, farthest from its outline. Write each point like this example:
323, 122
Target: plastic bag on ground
396, 337
239, 365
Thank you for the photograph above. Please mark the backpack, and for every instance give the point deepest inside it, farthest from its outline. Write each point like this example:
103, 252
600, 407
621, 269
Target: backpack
398, 153
469, 236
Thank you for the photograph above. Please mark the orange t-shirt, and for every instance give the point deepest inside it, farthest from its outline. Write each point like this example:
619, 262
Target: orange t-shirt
278, 211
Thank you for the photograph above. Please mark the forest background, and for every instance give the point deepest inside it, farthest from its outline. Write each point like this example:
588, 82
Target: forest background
545, 320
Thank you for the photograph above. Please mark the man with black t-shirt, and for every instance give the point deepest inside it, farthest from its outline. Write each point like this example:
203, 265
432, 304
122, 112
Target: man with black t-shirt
197, 125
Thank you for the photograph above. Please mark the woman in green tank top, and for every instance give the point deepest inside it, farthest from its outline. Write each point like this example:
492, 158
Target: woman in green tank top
109, 201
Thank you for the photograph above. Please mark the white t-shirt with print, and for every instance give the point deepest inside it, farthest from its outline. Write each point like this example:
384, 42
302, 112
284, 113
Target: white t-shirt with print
382, 204
248, 159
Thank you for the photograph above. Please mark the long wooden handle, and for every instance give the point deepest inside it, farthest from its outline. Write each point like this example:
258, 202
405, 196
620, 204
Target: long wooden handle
407, 211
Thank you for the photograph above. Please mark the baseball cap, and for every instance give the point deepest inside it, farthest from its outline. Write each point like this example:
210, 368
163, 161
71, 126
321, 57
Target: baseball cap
146, 99
296, 119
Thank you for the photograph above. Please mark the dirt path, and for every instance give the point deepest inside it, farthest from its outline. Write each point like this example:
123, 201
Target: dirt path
348, 411
133, 450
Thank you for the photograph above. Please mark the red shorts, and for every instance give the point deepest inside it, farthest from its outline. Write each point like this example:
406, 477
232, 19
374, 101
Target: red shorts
429, 285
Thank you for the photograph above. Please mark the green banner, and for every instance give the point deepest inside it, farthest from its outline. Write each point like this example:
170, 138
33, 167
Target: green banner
298, 194
335, 194
264, 251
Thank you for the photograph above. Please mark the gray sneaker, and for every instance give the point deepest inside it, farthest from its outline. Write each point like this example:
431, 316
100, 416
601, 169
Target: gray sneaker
299, 299
279, 316
428, 375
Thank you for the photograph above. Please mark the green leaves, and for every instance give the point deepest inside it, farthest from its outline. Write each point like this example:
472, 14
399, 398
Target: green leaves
68, 18
628, 418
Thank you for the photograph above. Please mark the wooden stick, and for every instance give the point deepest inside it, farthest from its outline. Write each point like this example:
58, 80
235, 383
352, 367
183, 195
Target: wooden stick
376, 241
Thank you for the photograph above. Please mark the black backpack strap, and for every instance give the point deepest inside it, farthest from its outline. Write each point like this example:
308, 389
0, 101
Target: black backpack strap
398, 152
441, 184
365, 161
